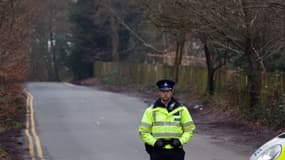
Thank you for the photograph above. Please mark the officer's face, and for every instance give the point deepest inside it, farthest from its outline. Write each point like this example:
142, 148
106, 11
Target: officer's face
165, 95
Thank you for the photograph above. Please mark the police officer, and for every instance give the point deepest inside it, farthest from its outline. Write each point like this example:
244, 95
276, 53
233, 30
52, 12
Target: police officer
166, 125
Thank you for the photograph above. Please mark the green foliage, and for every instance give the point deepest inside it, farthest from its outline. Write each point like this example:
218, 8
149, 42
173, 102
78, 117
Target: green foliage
115, 78
18, 125
276, 63
244, 104
271, 103
278, 114
93, 33
82, 38
272, 112
2, 151
89, 35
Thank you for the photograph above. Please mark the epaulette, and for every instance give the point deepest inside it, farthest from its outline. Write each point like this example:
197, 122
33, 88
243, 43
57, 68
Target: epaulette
179, 103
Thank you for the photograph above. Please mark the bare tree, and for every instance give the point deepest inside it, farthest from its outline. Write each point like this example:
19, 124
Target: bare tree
245, 30
250, 30
171, 16
17, 17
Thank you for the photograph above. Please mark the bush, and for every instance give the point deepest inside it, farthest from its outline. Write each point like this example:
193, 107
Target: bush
2, 152
116, 78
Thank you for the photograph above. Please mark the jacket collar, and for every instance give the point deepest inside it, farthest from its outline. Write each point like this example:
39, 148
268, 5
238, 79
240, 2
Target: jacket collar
173, 104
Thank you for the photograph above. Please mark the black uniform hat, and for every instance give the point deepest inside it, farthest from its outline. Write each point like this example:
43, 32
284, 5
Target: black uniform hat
165, 84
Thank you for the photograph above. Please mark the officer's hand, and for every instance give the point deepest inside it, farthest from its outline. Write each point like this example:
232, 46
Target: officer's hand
159, 144
175, 143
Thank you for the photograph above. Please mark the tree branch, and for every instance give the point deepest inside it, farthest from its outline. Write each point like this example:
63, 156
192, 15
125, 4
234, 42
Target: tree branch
122, 22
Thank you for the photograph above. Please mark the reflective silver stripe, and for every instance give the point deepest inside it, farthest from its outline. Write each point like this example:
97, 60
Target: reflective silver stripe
144, 132
188, 130
154, 116
187, 124
166, 124
146, 125
166, 134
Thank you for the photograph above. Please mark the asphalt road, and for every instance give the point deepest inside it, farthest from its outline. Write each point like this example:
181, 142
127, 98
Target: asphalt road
81, 123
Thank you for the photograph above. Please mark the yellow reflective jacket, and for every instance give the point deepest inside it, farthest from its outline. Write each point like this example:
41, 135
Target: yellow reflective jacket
173, 121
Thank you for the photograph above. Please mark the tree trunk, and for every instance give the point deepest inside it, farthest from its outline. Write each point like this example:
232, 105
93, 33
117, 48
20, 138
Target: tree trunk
254, 81
115, 39
253, 70
254, 93
180, 41
211, 70
52, 42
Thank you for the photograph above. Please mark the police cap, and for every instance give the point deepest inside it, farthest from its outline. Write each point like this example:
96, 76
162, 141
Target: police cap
165, 84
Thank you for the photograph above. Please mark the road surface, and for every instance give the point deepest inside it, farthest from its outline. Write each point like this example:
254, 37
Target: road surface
81, 123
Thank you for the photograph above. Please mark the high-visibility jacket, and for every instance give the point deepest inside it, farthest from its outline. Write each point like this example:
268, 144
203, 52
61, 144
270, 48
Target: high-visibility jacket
166, 122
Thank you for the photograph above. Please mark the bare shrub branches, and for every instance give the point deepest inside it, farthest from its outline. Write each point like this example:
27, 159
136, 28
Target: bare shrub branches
16, 21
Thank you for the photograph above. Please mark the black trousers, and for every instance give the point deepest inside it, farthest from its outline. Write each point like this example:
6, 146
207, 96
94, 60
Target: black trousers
167, 154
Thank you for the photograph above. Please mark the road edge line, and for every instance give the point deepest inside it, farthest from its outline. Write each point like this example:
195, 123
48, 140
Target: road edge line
27, 131
32, 126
